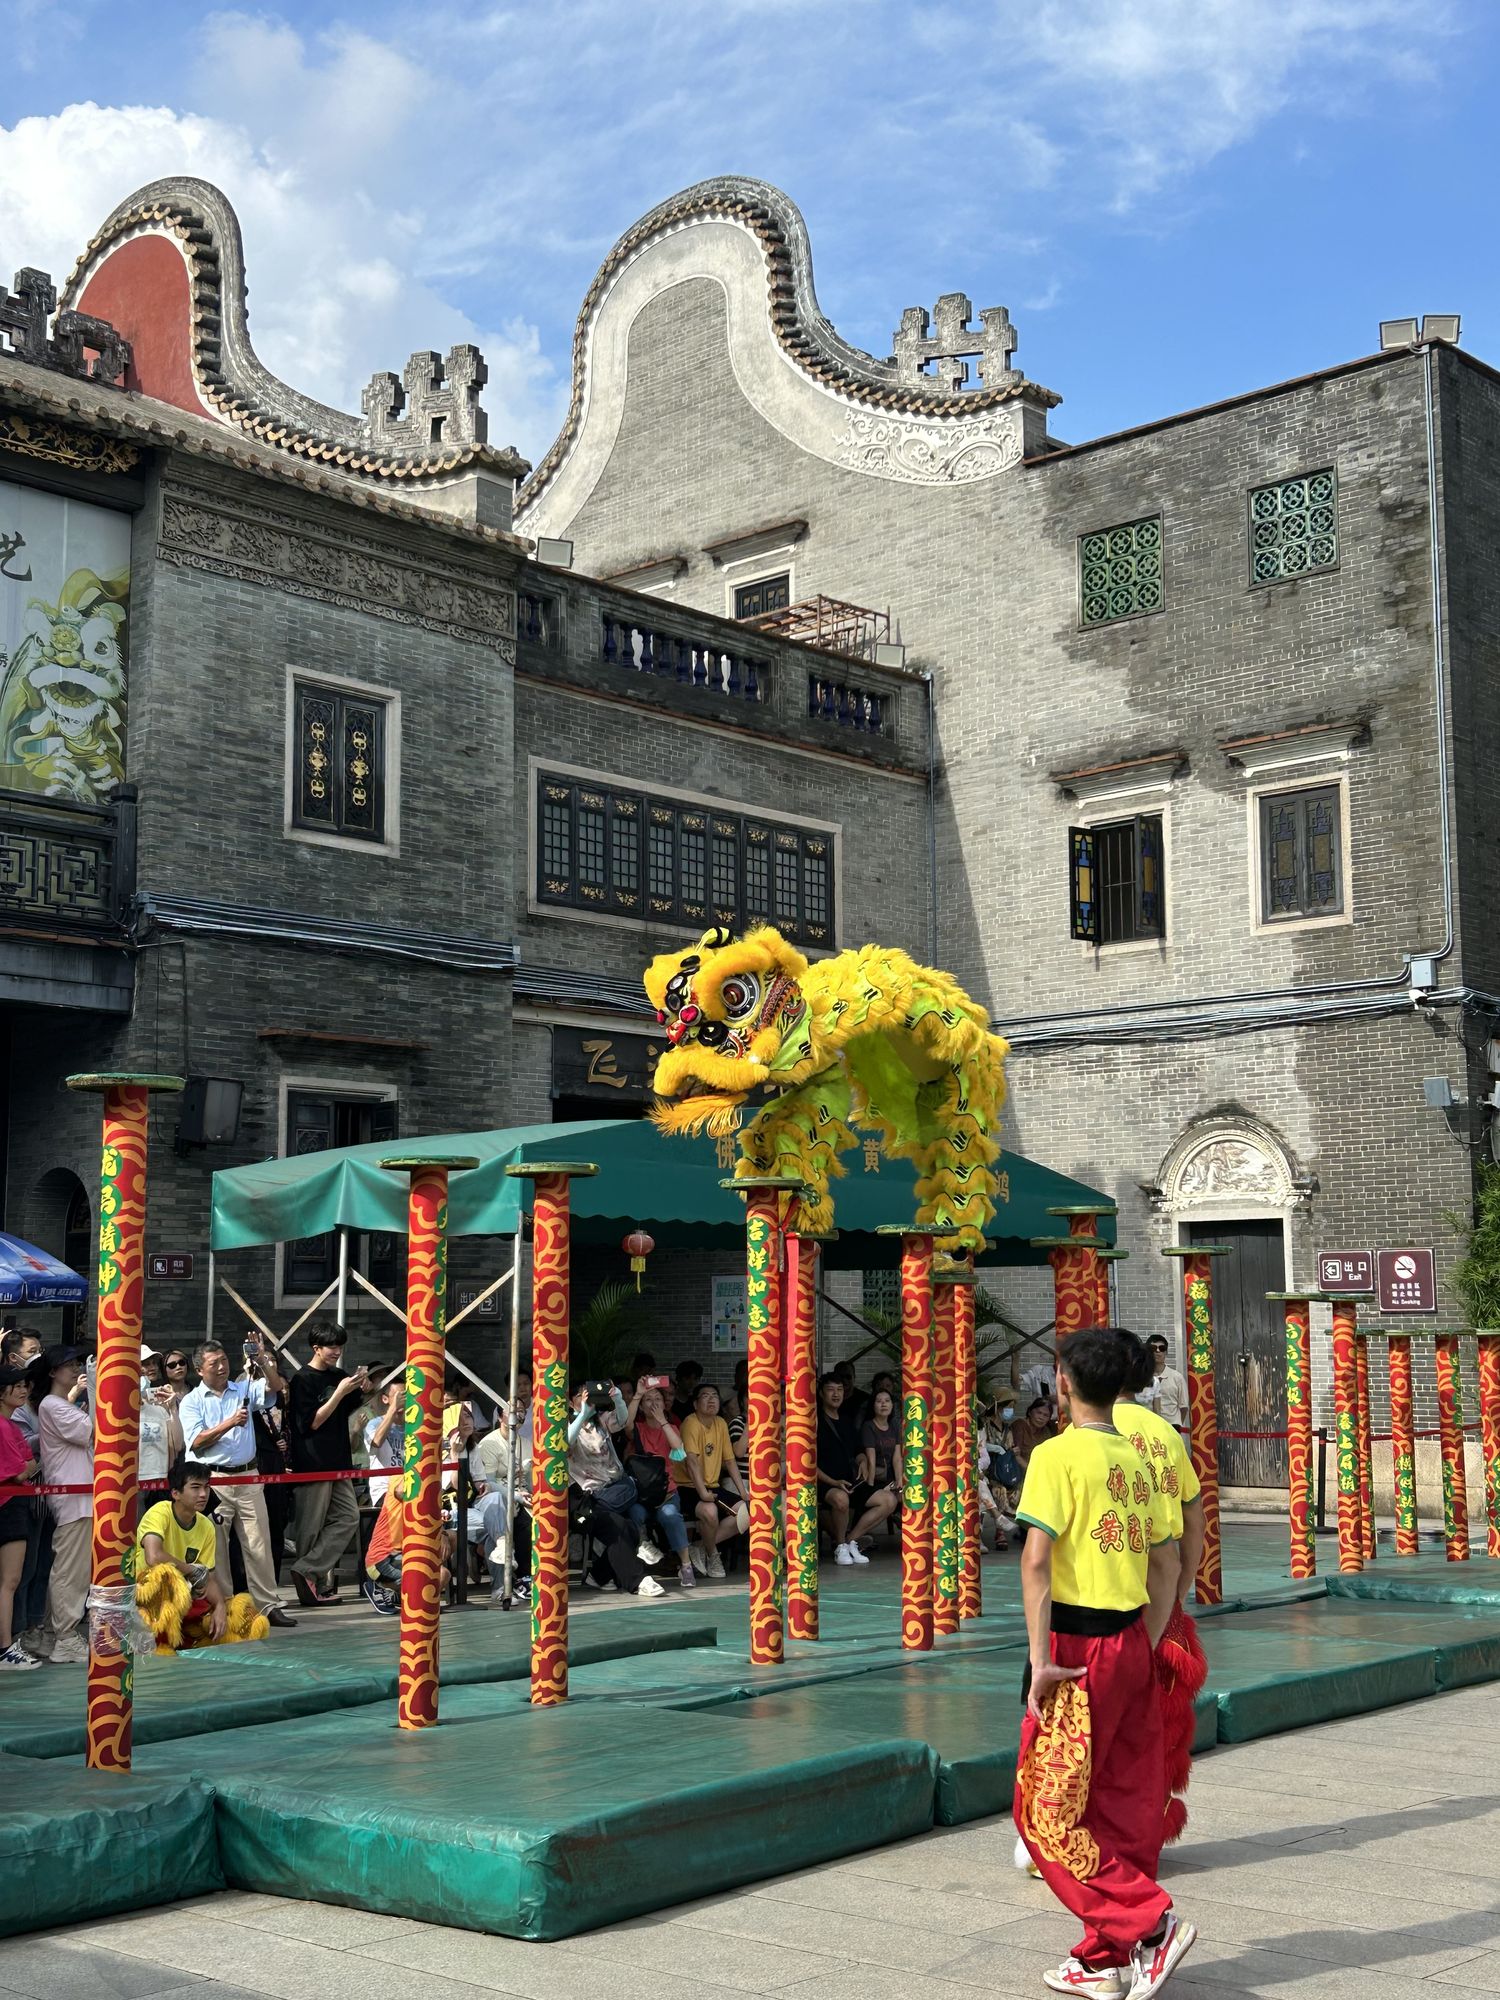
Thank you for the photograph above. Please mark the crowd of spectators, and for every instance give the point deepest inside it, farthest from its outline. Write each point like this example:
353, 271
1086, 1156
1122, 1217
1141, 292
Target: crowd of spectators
658, 1466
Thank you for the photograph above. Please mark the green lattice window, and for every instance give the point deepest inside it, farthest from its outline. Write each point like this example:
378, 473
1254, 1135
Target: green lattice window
1119, 571
1294, 527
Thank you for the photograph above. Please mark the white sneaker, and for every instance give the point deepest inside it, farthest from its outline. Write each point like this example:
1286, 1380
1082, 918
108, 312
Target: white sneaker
649, 1554
1072, 1976
715, 1564
698, 1556
15, 1659
1154, 1964
857, 1555
843, 1555
649, 1587
69, 1651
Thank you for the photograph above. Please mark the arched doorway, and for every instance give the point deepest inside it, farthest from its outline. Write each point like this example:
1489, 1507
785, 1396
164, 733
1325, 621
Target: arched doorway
1233, 1182
60, 1219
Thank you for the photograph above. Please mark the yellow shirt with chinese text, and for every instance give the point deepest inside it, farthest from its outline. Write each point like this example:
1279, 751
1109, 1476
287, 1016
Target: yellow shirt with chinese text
1089, 1491
1167, 1460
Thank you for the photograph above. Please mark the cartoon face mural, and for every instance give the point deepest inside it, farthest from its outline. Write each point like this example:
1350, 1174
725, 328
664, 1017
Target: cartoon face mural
64, 596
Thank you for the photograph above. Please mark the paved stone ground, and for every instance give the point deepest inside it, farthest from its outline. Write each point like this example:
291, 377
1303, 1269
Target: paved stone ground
1353, 1861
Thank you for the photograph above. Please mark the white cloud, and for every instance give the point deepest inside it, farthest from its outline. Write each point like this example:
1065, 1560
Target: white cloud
313, 151
414, 180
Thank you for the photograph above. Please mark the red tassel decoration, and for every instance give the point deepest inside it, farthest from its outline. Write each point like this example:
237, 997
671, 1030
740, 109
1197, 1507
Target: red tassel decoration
1181, 1670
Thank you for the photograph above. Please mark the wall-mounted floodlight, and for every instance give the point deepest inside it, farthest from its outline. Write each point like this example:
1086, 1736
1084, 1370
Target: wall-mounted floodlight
1438, 1093
1396, 333
1441, 326
888, 654
555, 554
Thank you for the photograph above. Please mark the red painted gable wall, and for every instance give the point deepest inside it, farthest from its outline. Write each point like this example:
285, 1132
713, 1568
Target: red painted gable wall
142, 289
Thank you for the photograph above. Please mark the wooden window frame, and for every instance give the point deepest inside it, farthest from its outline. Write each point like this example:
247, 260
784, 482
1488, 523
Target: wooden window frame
387, 841
1257, 800
1148, 830
682, 819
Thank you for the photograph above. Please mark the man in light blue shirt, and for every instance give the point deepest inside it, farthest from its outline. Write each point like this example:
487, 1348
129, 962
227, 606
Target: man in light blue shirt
218, 1429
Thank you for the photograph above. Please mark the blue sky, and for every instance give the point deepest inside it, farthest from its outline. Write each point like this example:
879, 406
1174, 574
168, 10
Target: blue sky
1177, 199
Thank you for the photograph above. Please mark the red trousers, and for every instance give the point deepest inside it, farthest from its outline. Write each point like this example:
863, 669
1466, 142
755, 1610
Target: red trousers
1119, 1902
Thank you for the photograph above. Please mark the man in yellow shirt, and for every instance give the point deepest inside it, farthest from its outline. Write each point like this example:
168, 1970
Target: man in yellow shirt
1097, 1582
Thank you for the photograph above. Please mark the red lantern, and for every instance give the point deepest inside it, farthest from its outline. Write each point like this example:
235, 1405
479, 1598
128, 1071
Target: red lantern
638, 1247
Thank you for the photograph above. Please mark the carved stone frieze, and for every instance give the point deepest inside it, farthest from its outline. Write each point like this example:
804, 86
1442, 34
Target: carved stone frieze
358, 573
60, 444
929, 454
1222, 1167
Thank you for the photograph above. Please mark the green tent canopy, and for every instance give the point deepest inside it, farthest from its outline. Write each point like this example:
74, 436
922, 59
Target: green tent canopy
670, 1186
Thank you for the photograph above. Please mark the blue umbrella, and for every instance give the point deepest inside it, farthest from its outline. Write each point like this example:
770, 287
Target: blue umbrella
29, 1277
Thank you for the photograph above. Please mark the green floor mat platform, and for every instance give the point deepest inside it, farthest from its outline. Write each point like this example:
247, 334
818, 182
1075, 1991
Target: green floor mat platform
77, 1844
226, 1687
1424, 1579
542, 1823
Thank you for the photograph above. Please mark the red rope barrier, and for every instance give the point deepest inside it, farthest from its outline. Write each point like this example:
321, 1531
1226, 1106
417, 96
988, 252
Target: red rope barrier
14, 1490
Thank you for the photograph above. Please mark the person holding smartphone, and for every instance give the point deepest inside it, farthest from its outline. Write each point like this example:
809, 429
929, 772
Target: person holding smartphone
319, 1407
219, 1432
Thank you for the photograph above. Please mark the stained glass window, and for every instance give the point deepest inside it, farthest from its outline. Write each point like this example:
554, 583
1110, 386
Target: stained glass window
699, 867
1301, 855
1117, 887
1120, 572
339, 762
1294, 527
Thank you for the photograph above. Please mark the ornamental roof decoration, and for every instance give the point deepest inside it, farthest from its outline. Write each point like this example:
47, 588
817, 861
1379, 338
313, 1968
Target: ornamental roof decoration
932, 411
423, 426
71, 342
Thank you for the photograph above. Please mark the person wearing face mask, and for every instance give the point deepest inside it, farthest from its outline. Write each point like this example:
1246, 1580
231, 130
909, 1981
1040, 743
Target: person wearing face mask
1000, 1468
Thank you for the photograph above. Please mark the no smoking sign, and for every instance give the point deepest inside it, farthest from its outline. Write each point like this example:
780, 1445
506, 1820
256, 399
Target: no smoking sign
1405, 1281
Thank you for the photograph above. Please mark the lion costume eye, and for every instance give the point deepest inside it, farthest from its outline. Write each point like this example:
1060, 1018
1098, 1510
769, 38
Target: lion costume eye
739, 996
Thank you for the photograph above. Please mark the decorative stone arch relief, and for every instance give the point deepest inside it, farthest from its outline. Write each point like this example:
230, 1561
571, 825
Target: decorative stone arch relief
1228, 1167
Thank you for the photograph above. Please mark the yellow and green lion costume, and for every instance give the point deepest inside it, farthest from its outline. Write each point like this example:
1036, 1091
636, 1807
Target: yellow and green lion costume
864, 1038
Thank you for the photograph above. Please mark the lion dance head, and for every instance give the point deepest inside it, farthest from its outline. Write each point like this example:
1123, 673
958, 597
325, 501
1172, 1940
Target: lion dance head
732, 1008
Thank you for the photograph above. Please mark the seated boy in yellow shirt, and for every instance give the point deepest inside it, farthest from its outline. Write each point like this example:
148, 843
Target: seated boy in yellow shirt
176, 1590
1097, 1581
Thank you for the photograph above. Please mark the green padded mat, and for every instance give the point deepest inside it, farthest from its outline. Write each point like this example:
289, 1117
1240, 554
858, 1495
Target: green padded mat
1274, 1676
1464, 1640
76, 1844
226, 1687
542, 1824
1423, 1580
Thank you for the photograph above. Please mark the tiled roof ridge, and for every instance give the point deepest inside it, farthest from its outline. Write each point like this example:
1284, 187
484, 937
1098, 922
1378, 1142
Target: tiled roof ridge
125, 413
797, 320
226, 369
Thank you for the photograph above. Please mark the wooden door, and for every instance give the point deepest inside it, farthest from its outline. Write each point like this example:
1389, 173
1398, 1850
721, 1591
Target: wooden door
1249, 1348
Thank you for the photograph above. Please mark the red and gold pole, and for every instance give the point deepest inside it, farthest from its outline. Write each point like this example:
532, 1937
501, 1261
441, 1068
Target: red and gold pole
1083, 1223
1489, 1432
1346, 1423
970, 1603
551, 1300
117, 1401
1365, 1442
1203, 1416
763, 1247
1299, 1467
945, 1400
422, 1436
916, 1434
1075, 1290
800, 1305
1451, 1445
1403, 1443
